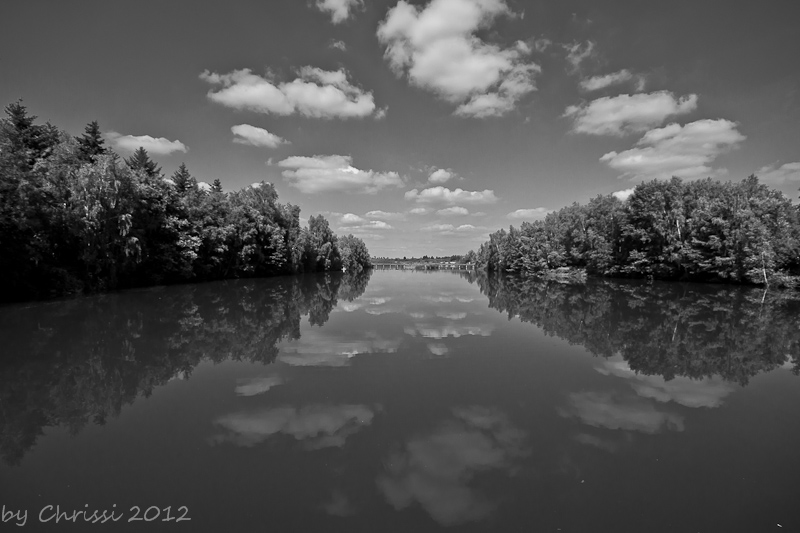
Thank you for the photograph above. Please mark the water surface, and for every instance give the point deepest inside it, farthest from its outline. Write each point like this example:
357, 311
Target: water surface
407, 401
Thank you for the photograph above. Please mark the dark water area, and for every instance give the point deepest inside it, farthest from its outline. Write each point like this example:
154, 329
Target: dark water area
403, 401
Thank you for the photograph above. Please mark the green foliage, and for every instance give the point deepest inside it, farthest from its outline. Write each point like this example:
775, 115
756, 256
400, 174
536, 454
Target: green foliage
75, 218
705, 230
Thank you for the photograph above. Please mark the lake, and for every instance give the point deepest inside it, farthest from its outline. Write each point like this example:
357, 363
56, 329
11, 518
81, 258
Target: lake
403, 401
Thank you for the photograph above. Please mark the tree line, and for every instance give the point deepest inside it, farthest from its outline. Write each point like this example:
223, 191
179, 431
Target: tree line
75, 217
704, 230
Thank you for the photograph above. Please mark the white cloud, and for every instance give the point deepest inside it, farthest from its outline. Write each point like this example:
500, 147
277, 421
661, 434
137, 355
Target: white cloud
436, 46
419, 211
577, 53
443, 195
350, 219
251, 387
315, 93
674, 150
774, 175
595, 83
339, 45
612, 412
338, 9
153, 145
441, 175
618, 115
623, 194
435, 470
247, 134
383, 215
329, 173
537, 213
320, 426
453, 211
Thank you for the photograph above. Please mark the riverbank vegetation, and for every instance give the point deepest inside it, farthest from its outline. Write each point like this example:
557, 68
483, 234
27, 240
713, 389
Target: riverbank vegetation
75, 217
704, 230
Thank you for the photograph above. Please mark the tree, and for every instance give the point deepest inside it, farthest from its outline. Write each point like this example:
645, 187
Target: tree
140, 161
183, 181
216, 186
90, 144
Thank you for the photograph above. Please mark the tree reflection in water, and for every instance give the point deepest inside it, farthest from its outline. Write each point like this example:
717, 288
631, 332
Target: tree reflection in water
73, 362
661, 329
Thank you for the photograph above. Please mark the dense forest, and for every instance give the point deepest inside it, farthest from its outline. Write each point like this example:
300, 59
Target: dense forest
664, 329
75, 217
703, 231
80, 361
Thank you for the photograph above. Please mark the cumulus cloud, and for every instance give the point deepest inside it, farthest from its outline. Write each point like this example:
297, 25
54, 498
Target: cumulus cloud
319, 426
436, 469
253, 386
436, 46
154, 145
419, 211
450, 229
623, 194
443, 195
384, 215
537, 213
314, 93
595, 83
626, 113
329, 173
612, 412
577, 53
441, 175
453, 211
339, 45
351, 222
707, 392
247, 134
778, 175
675, 150
339, 10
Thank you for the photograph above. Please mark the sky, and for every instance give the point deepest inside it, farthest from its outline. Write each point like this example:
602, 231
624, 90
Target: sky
422, 126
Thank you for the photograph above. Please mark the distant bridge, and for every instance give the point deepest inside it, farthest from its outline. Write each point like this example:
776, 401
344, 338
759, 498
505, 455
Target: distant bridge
422, 265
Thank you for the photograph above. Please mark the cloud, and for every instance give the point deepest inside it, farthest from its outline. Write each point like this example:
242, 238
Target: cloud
611, 412
338, 9
383, 215
452, 211
320, 349
707, 392
338, 505
443, 195
247, 134
537, 213
435, 470
619, 115
352, 222
438, 348
320, 426
436, 46
674, 150
623, 194
251, 387
772, 175
441, 175
420, 211
338, 45
577, 53
432, 331
315, 93
595, 83
329, 173
154, 145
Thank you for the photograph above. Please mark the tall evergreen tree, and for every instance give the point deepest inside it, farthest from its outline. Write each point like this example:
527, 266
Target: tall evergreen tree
216, 186
184, 181
140, 160
90, 144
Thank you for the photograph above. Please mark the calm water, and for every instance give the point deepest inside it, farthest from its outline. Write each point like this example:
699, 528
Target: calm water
404, 402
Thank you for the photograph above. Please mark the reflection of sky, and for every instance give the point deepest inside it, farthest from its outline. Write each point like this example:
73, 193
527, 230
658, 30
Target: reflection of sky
319, 426
437, 348
431, 331
612, 411
253, 386
708, 392
317, 347
434, 470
